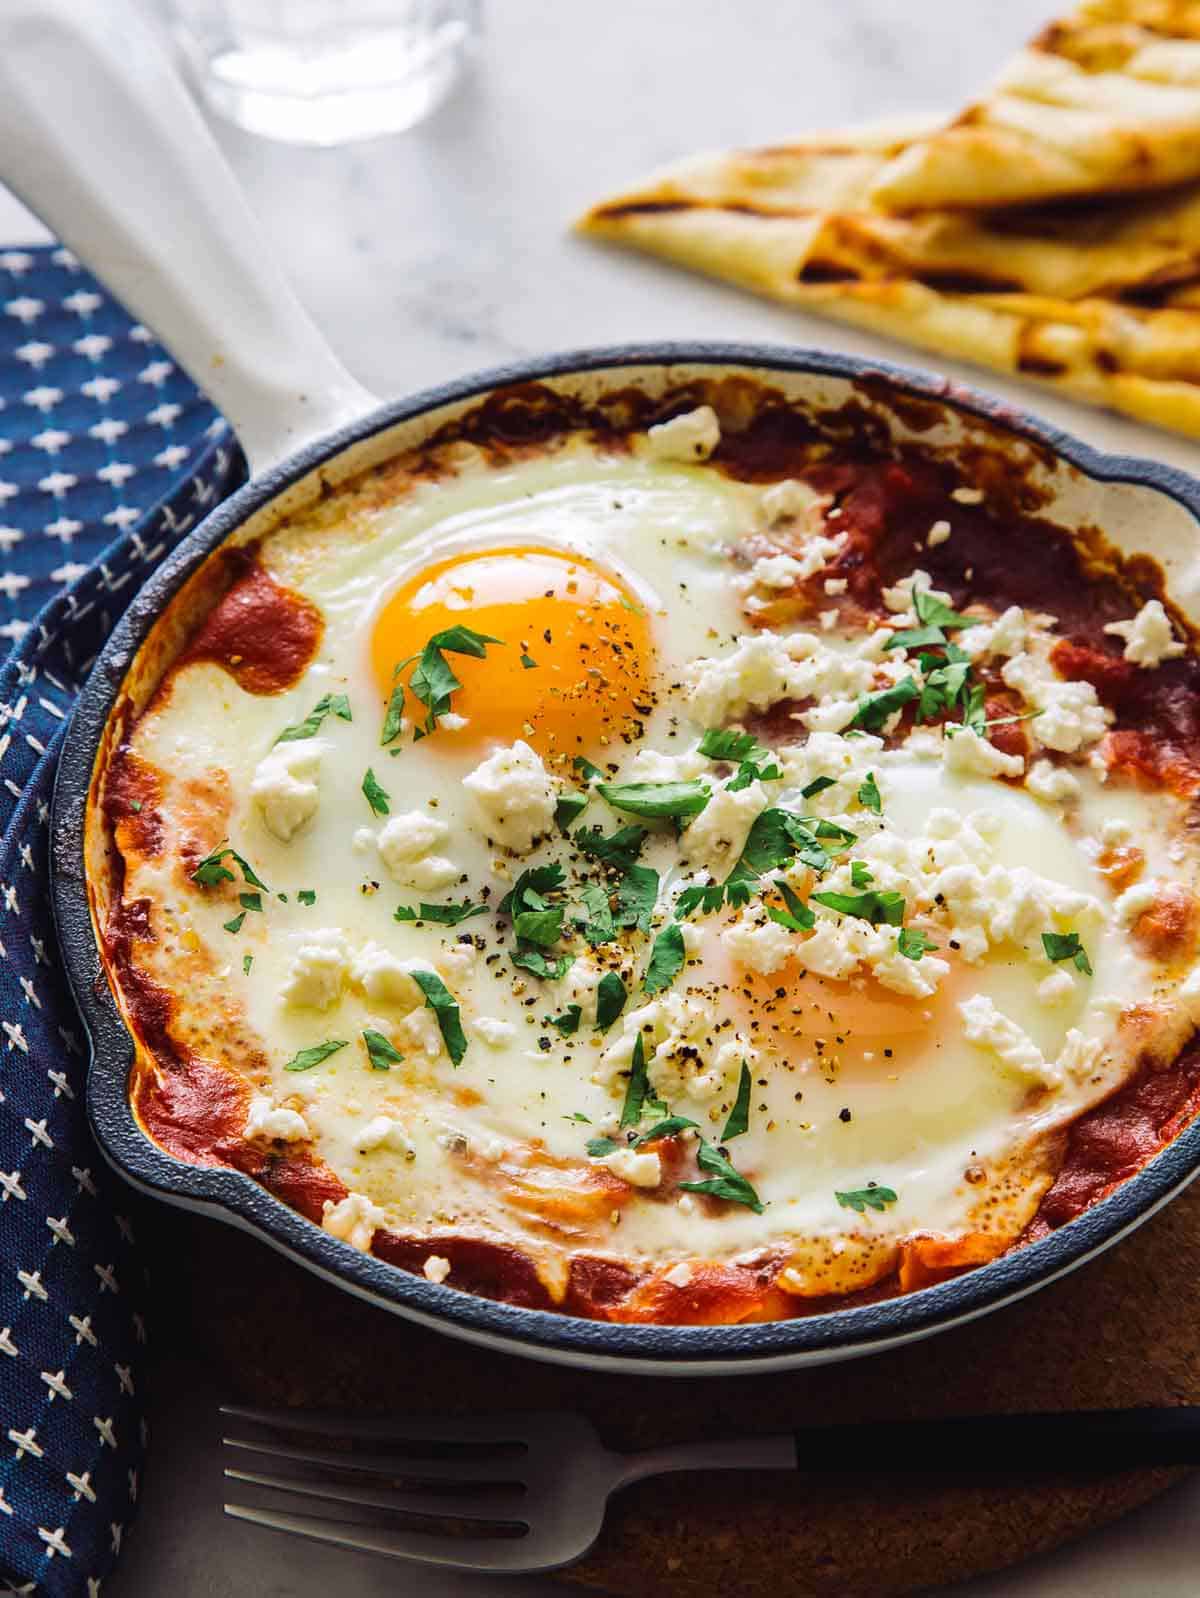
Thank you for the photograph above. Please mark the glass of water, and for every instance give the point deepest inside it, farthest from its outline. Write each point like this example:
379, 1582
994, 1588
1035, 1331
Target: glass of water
324, 71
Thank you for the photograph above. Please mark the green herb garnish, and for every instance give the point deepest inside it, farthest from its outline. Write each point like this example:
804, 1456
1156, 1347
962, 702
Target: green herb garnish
528, 662
667, 959
328, 705
871, 1197
739, 1116
380, 1052
445, 1007
860, 874
868, 794
873, 906
433, 682
586, 770
598, 1147
569, 808
816, 786
1066, 946
913, 944
375, 795
875, 709
656, 800
797, 917
567, 1023
247, 962
597, 925
725, 1183
617, 850
236, 924
307, 1058
211, 870
307, 896
637, 1091
440, 915
611, 994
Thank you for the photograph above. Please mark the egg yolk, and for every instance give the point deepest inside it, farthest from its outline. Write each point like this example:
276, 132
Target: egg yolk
570, 675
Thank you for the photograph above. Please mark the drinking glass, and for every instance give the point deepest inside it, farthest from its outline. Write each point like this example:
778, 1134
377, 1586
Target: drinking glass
324, 71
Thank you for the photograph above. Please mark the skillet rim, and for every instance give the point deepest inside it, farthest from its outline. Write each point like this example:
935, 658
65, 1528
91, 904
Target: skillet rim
238, 1199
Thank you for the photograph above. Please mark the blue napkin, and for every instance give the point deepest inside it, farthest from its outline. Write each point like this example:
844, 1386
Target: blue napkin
108, 455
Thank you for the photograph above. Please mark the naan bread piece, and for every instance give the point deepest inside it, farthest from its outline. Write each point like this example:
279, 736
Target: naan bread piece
1099, 303
1107, 101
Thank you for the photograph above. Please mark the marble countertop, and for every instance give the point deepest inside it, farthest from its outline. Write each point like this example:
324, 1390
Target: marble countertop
445, 250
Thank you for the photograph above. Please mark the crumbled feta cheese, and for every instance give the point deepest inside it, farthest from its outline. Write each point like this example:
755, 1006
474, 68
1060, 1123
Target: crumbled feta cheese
679, 1275
1070, 715
1056, 989
764, 668
828, 620
970, 755
317, 970
1115, 832
382, 1132
264, 1120
899, 597
516, 796
457, 961
653, 765
761, 947
791, 499
451, 721
988, 1028
915, 979
1135, 901
285, 788
1148, 637
637, 1167
967, 496
774, 571
683, 1058
494, 1032
690, 437
938, 534
420, 1034
354, 1219
436, 1268
406, 845
836, 585
385, 979
1006, 635
716, 837
363, 840
1052, 783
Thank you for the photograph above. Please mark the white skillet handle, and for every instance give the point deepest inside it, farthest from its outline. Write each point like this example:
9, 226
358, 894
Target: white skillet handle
101, 139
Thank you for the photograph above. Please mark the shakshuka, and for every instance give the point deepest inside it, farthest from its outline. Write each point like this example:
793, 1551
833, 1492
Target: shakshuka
693, 871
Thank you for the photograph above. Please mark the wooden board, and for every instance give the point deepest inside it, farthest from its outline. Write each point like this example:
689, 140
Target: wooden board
1123, 1330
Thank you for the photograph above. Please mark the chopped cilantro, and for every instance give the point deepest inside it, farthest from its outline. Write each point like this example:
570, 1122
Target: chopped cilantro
136, 806
617, 850
868, 794
667, 959
739, 1116
440, 915
569, 808
871, 1197
211, 870
432, 681
247, 962
816, 786
916, 638
870, 906
327, 705
610, 1000
376, 797
528, 662
307, 1058
797, 917
637, 1091
236, 924
657, 799
728, 744
1066, 946
250, 901
598, 926
636, 897
875, 709
543, 927
578, 1115
532, 959
445, 1007
860, 874
598, 1147
307, 896
913, 943
933, 612
380, 1052
671, 1127
567, 1023
586, 770
725, 1183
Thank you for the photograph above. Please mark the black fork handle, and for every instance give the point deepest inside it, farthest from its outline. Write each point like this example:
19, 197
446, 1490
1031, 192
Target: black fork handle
1099, 1439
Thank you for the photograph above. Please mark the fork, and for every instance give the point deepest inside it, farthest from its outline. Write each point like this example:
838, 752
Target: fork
531, 1489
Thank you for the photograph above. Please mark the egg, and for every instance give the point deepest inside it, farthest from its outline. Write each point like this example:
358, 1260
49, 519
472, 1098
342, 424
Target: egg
517, 656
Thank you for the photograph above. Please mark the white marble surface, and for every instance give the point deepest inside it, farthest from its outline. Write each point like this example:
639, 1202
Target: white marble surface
445, 250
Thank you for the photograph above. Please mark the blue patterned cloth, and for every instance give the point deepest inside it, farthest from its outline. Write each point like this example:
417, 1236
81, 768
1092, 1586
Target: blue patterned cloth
108, 454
